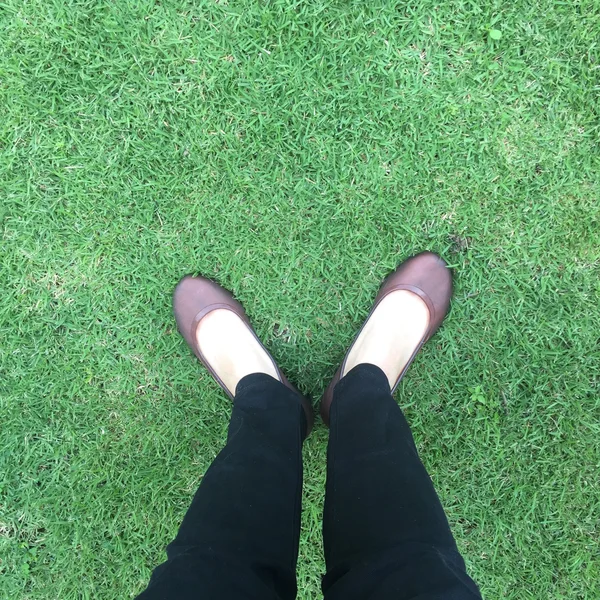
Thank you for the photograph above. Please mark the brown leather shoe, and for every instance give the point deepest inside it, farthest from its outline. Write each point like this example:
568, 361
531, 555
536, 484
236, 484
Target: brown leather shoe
426, 275
193, 299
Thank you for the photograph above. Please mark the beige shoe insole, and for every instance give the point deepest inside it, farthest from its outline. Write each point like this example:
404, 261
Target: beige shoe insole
391, 334
230, 348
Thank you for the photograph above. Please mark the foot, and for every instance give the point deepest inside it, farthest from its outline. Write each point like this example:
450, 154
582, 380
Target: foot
231, 349
219, 333
391, 336
409, 308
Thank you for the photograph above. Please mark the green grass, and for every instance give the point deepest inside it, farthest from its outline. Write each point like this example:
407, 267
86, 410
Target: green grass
296, 152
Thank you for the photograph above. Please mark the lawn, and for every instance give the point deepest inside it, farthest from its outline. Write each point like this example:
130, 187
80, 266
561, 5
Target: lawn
296, 152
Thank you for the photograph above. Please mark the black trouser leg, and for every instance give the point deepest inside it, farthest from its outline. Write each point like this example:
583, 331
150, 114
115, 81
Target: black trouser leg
239, 538
385, 532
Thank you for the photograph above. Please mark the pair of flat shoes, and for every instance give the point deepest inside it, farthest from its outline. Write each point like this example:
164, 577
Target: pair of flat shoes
426, 275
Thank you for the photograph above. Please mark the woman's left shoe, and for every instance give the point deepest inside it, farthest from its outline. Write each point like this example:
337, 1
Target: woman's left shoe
216, 328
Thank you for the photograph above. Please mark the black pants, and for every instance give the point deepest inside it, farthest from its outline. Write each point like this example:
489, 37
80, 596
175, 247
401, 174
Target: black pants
386, 535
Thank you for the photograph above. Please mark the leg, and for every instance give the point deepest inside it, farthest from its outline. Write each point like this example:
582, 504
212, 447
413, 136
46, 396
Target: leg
386, 535
385, 531
239, 539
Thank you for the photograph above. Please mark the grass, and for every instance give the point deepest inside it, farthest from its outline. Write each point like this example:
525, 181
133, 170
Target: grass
296, 152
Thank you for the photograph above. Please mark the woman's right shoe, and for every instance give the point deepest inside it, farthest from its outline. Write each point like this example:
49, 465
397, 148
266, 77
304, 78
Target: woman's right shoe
408, 310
